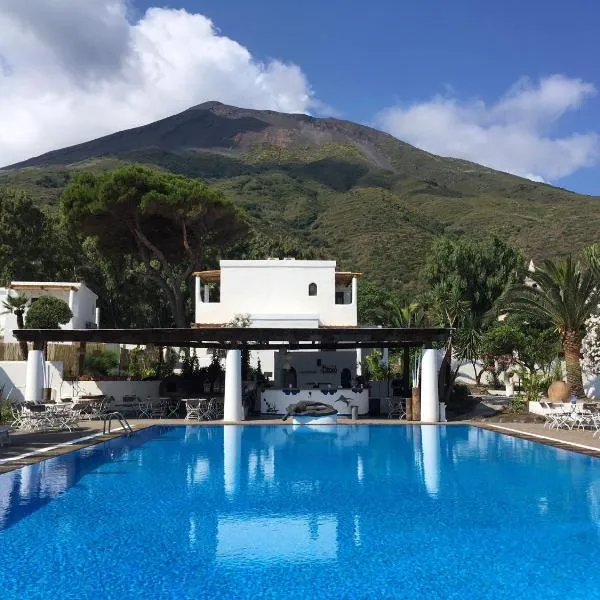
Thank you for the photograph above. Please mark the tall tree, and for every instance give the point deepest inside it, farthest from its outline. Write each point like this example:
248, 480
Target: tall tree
169, 223
565, 294
397, 314
16, 305
476, 272
24, 229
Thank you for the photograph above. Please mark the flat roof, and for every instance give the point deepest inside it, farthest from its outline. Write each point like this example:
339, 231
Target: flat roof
214, 276
34, 286
258, 338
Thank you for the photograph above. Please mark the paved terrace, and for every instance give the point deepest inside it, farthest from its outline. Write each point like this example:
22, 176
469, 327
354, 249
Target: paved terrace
28, 448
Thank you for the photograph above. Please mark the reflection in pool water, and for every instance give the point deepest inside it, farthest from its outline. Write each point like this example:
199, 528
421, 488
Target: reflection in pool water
277, 512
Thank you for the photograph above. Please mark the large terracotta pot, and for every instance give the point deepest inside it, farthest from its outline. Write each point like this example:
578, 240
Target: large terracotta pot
558, 391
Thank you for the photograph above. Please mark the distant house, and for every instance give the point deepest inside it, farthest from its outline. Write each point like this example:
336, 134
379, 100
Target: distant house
81, 300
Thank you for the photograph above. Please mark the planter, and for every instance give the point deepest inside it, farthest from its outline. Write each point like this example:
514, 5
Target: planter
558, 392
416, 404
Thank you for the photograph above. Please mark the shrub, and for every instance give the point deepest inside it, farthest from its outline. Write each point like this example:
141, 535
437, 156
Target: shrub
460, 400
48, 312
533, 385
101, 362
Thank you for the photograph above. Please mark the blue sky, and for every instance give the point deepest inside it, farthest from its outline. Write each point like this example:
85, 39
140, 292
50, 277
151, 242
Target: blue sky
362, 56
512, 84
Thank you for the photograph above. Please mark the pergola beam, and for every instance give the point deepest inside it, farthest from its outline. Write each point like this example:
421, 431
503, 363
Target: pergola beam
257, 338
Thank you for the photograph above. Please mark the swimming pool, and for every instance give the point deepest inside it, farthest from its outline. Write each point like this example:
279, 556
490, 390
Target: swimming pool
275, 512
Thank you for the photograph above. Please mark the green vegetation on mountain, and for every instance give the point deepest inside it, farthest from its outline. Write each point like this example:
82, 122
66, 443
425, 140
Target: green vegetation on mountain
333, 189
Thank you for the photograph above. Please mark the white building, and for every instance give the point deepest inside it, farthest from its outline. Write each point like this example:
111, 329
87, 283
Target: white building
81, 300
277, 293
289, 293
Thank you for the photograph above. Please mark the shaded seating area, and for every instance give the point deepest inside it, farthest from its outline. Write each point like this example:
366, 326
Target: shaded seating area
28, 416
232, 341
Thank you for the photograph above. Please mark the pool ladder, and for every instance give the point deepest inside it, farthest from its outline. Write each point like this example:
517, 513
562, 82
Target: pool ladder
108, 417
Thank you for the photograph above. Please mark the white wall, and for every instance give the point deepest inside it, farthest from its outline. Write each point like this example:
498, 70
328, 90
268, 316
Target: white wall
85, 308
13, 373
82, 302
277, 290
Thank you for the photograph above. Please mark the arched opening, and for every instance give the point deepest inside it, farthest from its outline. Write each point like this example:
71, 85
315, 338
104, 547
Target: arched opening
312, 289
346, 378
290, 378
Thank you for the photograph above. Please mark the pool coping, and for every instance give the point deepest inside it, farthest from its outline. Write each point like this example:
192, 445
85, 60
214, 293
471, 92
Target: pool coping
12, 463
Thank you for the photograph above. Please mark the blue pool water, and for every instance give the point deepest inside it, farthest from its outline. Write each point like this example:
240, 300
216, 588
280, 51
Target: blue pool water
271, 512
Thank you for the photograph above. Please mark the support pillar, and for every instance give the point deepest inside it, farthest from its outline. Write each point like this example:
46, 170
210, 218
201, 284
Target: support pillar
430, 407
359, 362
81, 358
197, 299
34, 377
232, 410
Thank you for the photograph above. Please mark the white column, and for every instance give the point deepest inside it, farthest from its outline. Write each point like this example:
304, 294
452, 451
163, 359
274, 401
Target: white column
198, 299
72, 300
97, 317
233, 386
232, 456
34, 377
430, 444
430, 409
354, 291
358, 362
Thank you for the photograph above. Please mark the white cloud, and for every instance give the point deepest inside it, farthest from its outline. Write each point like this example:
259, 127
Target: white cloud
513, 134
73, 70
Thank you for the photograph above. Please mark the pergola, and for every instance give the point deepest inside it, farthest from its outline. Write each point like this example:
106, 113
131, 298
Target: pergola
235, 339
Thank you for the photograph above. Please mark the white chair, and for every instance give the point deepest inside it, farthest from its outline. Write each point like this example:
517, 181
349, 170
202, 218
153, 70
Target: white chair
192, 408
144, 408
396, 408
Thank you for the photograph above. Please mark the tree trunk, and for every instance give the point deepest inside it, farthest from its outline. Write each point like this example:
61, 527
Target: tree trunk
572, 350
21, 325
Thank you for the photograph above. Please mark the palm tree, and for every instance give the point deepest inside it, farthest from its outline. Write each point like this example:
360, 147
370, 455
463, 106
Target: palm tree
409, 315
16, 305
565, 294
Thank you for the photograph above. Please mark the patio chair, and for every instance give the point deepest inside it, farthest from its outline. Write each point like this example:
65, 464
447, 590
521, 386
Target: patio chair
192, 408
129, 405
37, 416
396, 408
156, 408
595, 422
143, 408
558, 416
215, 409
170, 407
19, 417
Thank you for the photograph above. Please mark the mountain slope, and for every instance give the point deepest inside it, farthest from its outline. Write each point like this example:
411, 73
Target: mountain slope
346, 190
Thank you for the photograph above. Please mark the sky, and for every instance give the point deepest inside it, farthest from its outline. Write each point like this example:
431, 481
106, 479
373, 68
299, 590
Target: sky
512, 85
